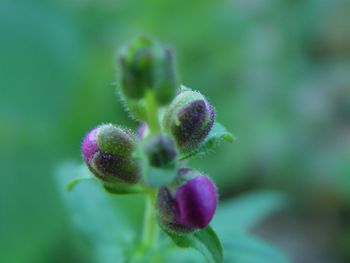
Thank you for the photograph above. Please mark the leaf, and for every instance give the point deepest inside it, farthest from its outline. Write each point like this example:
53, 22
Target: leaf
105, 220
248, 249
246, 211
217, 134
205, 241
70, 186
115, 188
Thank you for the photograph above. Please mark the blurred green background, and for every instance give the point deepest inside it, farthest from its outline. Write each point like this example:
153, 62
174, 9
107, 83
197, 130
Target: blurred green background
277, 71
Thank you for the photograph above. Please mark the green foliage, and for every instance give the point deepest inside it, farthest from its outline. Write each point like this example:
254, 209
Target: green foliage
216, 136
205, 241
113, 229
276, 73
236, 217
107, 221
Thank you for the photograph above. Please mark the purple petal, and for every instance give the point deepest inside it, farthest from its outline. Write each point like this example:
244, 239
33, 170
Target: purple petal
196, 202
89, 146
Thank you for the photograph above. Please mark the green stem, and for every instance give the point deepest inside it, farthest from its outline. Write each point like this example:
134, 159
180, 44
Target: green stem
150, 226
152, 113
149, 240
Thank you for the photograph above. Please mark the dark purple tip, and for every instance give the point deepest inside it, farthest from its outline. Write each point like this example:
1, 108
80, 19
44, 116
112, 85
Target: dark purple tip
116, 168
196, 119
196, 202
89, 146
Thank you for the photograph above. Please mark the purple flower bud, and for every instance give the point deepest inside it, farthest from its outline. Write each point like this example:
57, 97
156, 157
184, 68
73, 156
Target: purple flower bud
161, 150
146, 65
189, 120
189, 207
107, 151
196, 202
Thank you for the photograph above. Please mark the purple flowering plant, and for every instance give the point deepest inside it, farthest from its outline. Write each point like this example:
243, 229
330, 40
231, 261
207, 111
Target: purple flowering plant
176, 124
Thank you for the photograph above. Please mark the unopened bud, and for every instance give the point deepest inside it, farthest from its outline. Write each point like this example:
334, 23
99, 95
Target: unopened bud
145, 66
166, 210
196, 202
166, 86
107, 151
190, 206
161, 150
189, 120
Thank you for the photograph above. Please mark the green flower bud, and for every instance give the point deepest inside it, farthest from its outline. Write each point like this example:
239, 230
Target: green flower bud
165, 87
189, 120
107, 151
146, 66
161, 150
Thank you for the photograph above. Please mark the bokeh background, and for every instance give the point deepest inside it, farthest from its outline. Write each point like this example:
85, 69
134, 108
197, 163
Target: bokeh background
277, 71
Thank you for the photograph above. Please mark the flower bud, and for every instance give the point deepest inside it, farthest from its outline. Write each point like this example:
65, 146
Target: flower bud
166, 209
196, 202
189, 119
145, 66
165, 86
107, 151
161, 150
189, 207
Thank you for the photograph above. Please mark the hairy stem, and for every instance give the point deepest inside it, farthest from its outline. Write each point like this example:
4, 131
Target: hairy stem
150, 226
152, 113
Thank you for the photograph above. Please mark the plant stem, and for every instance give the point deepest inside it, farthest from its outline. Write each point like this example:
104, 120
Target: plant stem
150, 226
152, 113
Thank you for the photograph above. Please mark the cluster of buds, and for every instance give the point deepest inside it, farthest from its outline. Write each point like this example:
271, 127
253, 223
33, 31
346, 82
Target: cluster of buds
116, 155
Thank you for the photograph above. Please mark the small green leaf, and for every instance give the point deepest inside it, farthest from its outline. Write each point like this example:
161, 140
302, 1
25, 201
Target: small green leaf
86, 177
205, 241
115, 188
217, 134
